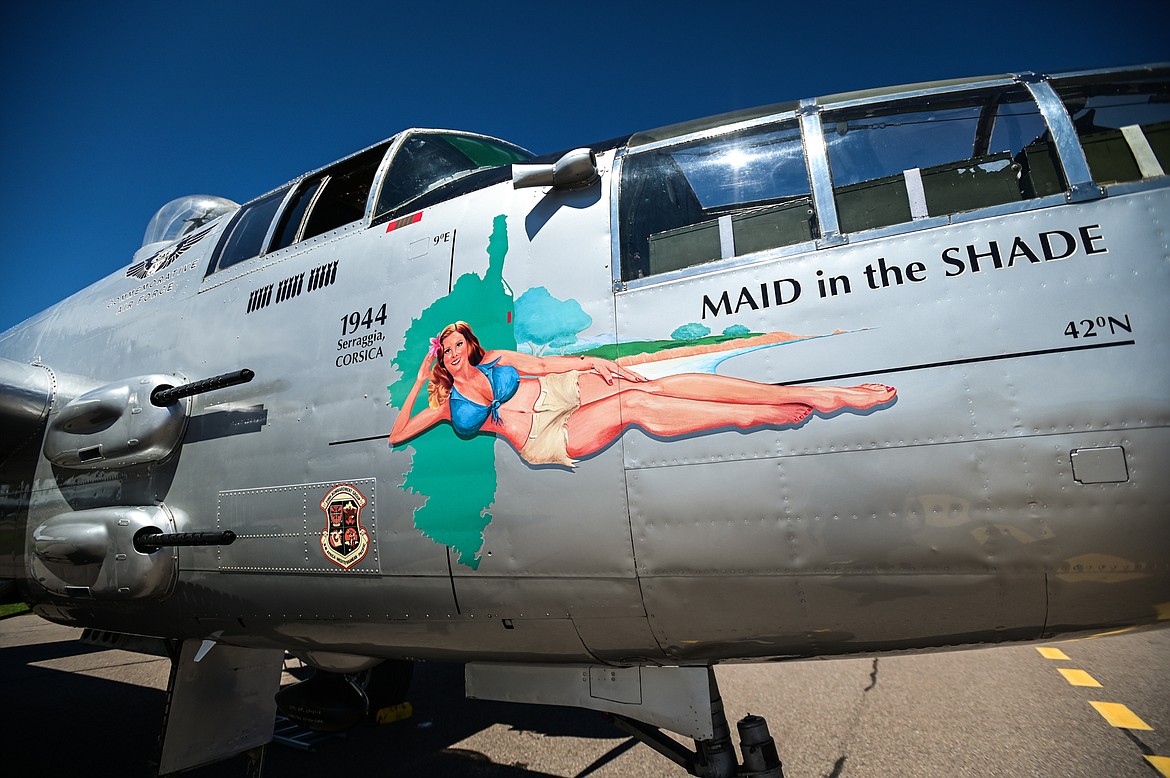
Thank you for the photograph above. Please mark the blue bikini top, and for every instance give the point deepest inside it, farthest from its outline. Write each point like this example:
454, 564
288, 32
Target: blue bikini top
467, 416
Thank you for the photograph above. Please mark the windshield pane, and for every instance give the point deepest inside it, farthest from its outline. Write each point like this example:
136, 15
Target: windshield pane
425, 161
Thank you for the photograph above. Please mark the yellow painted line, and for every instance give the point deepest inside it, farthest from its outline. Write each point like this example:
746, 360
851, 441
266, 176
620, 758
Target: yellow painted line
1078, 677
1122, 631
1161, 764
399, 712
1051, 653
1120, 716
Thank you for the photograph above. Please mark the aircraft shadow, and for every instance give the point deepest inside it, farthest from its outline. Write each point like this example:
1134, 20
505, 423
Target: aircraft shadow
82, 724
429, 743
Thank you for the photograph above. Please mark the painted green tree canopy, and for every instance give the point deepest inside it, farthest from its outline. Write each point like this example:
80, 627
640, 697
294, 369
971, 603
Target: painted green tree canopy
692, 331
543, 321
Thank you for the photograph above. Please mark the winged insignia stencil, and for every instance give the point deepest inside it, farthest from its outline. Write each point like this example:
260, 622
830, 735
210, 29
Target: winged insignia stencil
164, 258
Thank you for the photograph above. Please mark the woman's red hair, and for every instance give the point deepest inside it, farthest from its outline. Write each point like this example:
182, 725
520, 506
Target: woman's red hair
439, 387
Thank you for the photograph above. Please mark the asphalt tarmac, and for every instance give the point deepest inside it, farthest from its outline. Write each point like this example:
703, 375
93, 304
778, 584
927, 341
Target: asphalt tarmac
68, 708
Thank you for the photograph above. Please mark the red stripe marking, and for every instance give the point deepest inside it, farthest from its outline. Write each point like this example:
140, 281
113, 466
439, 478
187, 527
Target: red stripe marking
404, 221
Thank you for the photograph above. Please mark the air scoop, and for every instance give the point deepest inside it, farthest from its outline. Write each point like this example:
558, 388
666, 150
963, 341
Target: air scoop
574, 170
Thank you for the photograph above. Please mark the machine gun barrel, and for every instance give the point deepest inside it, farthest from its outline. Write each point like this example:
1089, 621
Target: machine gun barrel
148, 542
169, 395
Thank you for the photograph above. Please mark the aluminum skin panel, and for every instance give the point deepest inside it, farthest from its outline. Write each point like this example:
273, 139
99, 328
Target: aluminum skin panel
795, 617
550, 526
555, 539
279, 529
959, 494
358, 629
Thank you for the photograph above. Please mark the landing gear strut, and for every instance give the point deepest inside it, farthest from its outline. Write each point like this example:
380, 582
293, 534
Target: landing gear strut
643, 701
715, 758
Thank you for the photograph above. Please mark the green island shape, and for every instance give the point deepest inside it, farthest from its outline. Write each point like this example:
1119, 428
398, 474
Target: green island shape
456, 475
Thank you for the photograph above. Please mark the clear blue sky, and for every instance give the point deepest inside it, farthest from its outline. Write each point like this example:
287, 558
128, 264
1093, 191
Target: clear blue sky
108, 110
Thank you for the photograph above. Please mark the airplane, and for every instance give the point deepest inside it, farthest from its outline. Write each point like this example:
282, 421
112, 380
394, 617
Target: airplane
881, 371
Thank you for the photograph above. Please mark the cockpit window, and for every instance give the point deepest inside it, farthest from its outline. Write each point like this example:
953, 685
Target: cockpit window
1123, 125
244, 237
896, 162
714, 198
745, 168
426, 161
289, 230
338, 195
330, 199
323, 201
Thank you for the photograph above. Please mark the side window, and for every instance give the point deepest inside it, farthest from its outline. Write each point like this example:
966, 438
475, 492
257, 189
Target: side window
1123, 126
330, 199
714, 198
244, 237
322, 202
932, 156
289, 230
342, 199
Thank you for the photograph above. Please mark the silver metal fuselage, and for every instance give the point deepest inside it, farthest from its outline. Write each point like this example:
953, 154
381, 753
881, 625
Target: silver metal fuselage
1016, 489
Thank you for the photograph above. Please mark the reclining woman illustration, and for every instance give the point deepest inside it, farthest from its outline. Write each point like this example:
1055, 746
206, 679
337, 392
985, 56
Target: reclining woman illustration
554, 410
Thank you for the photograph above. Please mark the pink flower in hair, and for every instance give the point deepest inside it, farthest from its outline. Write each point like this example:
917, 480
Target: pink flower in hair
436, 347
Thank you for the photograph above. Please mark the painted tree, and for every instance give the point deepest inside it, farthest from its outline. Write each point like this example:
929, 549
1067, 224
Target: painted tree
692, 331
543, 321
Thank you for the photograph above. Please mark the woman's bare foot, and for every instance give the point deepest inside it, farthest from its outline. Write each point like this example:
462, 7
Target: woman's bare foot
827, 399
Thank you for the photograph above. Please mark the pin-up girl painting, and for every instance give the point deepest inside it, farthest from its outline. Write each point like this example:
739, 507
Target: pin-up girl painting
554, 410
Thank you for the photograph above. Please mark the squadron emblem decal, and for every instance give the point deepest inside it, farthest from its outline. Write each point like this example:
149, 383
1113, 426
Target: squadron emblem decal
163, 259
344, 540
